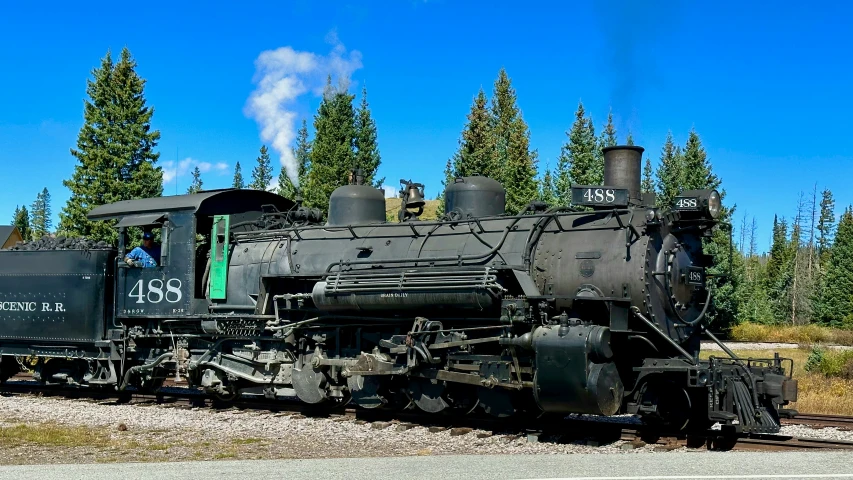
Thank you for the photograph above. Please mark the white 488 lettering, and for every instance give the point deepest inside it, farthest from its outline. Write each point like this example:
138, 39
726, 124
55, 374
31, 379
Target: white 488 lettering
686, 203
600, 195
154, 292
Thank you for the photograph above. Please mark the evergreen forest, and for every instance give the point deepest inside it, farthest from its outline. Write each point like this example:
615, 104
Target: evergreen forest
806, 277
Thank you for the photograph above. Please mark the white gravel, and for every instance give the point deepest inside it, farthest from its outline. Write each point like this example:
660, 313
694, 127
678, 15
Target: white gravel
828, 433
292, 436
309, 437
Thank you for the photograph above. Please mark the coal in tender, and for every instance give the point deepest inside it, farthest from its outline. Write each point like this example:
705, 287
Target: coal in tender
60, 243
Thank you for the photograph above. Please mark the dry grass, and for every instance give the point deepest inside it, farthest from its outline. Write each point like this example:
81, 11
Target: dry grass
50, 435
392, 206
803, 334
817, 393
51, 442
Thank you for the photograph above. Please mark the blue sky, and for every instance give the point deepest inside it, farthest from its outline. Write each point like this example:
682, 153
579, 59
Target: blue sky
766, 85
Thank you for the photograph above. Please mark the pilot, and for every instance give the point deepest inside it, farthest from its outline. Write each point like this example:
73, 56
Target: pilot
146, 256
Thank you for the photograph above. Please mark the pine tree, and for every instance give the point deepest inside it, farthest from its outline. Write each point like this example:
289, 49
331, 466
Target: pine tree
670, 173
647, 185
578, 162
696, 171
238, 177
825, 227
477, 153
546, 188
367, 157
756, 305
778, 250
630, 139
40, 215
516, 163
449, 176
195, 187
21, 220
780, 269
608, 135
606, 139
262, 173
115, 149
834, 305
302, 155
333, 148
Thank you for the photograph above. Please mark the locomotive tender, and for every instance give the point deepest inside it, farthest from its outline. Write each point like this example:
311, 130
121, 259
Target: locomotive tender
596, 308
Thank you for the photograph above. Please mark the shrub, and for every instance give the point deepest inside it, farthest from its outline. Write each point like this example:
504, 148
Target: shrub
815, 359
830, 363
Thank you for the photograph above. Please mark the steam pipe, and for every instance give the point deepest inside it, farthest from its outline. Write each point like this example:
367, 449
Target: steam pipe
654, 328
139, 368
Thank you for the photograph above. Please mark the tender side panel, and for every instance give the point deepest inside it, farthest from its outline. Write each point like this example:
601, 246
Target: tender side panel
54, 296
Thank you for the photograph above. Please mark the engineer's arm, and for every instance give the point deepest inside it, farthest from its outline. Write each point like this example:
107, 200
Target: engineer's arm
133, 256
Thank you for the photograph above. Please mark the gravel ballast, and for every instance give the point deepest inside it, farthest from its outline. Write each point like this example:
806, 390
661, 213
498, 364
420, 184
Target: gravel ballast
159, 432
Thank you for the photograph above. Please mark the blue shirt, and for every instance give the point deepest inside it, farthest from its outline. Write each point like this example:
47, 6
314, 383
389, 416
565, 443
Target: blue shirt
147, 257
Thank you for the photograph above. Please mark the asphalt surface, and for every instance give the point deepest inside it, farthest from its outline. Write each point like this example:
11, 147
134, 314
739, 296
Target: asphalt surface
641, 466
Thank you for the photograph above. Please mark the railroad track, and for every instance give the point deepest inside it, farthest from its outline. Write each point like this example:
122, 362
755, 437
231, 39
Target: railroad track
592, 430
821, 421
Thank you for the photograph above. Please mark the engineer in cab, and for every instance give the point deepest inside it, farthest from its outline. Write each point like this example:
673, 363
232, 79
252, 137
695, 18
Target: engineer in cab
145, 256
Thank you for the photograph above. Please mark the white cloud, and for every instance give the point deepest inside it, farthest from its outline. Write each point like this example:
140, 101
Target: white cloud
284, 74
390, 192
171, 171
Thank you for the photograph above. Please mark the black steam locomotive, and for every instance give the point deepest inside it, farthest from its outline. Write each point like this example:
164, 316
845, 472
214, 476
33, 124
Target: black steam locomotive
594, 308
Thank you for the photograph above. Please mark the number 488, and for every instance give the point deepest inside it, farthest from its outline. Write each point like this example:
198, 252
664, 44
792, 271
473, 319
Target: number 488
599, 195
155, 293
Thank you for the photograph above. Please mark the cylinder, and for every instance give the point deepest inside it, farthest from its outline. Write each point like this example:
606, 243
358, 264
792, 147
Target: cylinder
623, 168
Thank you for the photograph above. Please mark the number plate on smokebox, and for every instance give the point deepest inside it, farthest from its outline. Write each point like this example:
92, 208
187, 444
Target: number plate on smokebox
695, 276
599, 195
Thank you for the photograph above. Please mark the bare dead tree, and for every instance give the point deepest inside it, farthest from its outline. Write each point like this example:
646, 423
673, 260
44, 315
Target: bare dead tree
796, 233
812, 229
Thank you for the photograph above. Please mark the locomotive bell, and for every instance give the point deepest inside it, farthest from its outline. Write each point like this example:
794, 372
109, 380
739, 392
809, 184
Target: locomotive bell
622, 169
415, 198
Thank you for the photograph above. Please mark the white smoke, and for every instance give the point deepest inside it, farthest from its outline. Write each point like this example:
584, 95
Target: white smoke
283, 75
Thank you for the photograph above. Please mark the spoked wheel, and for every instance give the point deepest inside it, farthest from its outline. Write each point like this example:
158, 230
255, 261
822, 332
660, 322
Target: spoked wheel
428, 394
227, 396
723, 442
462, 398
497, 402
674, 406
368, 391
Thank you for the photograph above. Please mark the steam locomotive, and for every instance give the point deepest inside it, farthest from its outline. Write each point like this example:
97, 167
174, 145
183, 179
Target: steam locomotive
594, 308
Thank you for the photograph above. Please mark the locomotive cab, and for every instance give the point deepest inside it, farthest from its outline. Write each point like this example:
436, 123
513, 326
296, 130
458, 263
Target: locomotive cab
189, 227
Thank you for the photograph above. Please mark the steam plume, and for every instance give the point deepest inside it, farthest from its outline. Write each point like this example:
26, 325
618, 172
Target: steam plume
283, 75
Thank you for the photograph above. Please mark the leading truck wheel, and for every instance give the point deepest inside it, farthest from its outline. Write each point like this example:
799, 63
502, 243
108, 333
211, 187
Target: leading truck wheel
672, 407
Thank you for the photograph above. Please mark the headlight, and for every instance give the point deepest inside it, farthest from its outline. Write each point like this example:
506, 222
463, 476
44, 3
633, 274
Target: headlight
699, 203
715, 205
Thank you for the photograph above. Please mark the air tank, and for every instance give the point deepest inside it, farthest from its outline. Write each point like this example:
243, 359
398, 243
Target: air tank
356, 205
475, 197
622, 169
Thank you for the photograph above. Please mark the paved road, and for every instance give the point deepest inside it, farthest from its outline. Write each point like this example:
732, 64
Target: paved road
639, 466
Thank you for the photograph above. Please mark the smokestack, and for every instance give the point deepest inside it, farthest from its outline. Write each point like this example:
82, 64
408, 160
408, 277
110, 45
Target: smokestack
622, 169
